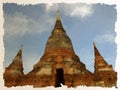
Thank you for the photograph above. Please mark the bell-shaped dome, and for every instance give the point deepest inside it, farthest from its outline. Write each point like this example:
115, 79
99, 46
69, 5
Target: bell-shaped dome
58, 39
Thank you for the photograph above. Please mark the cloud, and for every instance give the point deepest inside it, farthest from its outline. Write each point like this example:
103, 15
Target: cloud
18, 24
73, 10
105, 38
51, 7
83, 10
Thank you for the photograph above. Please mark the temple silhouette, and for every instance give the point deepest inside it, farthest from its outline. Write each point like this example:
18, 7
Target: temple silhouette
60, 65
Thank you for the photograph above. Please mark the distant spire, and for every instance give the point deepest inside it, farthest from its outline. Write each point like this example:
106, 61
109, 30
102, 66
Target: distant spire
57, 15
100, 63
58, 23
98, 56
17, 61
21, 47
15, 70
94, 44
96, 52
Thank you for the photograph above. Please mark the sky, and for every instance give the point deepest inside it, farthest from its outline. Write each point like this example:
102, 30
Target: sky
31, 25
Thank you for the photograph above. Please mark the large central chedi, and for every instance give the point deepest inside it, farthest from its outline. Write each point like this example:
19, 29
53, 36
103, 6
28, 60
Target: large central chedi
60, 65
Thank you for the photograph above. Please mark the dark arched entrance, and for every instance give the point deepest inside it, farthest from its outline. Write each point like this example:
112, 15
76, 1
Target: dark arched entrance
59, 77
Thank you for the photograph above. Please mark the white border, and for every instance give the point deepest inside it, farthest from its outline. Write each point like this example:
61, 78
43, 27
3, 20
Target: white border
24, 2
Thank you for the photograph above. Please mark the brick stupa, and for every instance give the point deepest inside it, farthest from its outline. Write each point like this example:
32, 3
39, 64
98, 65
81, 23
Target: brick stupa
60, 65
104, 75
14, 72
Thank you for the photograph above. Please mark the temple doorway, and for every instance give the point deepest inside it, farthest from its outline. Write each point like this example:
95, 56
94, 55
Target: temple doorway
59, 77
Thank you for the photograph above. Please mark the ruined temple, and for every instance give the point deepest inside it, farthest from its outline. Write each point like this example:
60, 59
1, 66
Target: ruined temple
60, 65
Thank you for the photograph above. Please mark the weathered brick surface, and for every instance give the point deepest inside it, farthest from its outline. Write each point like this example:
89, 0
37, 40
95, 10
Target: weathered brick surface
104, 74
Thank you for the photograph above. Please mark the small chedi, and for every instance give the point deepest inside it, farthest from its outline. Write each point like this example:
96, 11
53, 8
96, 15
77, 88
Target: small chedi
60, 65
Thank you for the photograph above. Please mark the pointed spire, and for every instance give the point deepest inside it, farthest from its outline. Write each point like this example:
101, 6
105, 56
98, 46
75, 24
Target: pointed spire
96, 52
17, 61
14, 72
57, 15
100, 63
21, 47
19, 54
58, 23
